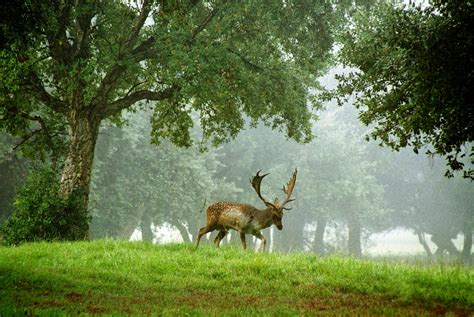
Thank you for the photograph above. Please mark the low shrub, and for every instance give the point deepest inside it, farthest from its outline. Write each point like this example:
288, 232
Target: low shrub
41, 214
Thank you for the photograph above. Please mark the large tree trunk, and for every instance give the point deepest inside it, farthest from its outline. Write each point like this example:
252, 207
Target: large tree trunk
183, 231
444, 243
145, 225
126, 231
76, 176
467, 231
291, 238
422, 240
354, 244
318, 243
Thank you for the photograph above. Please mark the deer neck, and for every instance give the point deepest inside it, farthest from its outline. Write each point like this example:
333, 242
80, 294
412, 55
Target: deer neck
264, 218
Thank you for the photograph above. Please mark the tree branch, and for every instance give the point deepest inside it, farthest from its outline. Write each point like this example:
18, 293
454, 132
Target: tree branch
43, 130
42, 95
246, 60
144, 50
83, 30
25, 139
140, 21
108, 84
57, 38
125, 102
204, 23
112, 76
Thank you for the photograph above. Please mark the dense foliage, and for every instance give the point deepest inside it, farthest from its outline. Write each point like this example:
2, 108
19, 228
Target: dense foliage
209, 70
41, 214
412, 76
159, 184
83, 62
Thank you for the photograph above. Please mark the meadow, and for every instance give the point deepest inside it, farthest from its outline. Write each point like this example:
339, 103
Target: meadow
118, 278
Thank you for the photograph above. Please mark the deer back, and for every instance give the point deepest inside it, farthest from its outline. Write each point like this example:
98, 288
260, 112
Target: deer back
237, 216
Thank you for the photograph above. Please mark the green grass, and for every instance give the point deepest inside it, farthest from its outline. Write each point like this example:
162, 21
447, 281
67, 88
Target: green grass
134, 278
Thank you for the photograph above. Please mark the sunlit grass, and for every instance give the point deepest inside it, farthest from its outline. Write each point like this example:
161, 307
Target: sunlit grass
118, 277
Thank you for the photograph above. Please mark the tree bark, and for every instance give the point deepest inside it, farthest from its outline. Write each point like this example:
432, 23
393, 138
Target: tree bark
145, 226
444, 243
127, 230
422, 240
467, 246
354, 244
183, 231
318, 244
76, 175
291, 238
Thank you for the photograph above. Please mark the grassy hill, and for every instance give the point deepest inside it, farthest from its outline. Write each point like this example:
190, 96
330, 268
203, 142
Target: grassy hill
135, 278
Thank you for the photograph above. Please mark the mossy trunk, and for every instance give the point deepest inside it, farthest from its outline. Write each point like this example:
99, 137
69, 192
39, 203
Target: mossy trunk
354, 243
422, 240
145, 226
76, 175
183, 231
467, 232
444, 243
318, 243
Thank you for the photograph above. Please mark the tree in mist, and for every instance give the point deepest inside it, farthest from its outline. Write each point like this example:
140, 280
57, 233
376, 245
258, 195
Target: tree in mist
262, 149
413, 77
87, 61
335, 182
421, 200
340, 185
135, 184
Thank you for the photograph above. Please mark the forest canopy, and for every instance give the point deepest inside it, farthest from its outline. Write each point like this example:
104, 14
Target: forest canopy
82, 63
412, 77
87, 85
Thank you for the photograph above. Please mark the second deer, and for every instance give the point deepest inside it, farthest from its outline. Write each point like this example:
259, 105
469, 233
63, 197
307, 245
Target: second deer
245, 218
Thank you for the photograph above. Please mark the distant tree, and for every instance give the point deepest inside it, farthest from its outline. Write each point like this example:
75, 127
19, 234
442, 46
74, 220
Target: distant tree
137, 185
423, 201
335, 184
89, 60
340, 183
413, 77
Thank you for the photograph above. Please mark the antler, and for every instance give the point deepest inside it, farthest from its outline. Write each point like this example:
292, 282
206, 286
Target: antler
289, 189
256, 181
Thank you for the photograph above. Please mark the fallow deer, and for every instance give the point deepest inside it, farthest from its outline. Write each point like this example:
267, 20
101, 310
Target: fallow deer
245, 218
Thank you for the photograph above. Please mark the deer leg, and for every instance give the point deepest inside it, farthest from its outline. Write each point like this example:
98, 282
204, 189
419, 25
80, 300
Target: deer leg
202, 232
220, 236
242, 239
260, 236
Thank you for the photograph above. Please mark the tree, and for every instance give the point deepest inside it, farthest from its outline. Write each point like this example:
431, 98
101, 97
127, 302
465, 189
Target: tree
427, 203
413, 77
335, 180
344, 189
87, 61
136, 184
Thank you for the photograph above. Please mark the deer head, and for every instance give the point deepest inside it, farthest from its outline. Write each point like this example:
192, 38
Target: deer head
247, 219
276, 207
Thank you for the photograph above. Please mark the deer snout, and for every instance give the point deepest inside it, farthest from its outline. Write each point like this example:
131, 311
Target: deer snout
279, 226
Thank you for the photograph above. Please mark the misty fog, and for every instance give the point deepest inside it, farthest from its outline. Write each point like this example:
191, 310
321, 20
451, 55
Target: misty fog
352, 196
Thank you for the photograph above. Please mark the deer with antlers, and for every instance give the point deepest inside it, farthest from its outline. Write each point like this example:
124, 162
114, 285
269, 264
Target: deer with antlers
245, 218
